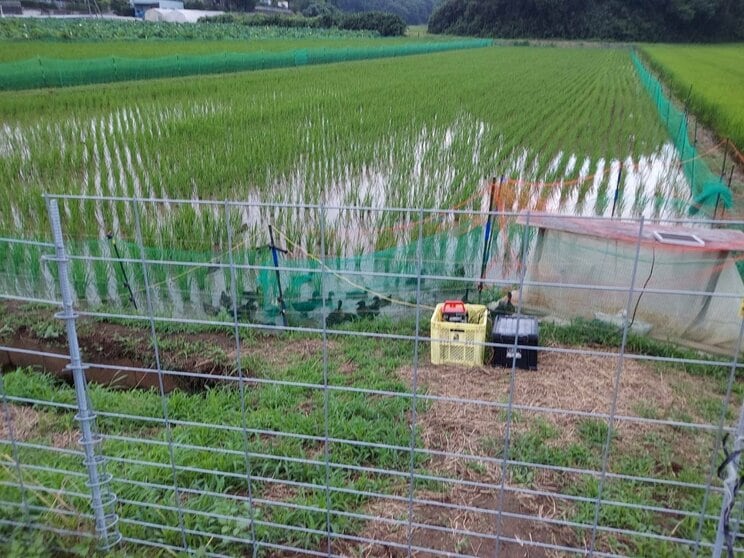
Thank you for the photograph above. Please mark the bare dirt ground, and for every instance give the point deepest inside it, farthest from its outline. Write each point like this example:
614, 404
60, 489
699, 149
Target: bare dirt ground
440, 529
114, 345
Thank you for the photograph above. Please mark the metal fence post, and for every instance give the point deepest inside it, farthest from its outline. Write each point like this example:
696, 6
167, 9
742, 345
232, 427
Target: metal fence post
731, 481
616, 389
414, 384
718, 440
103, 500
512, 389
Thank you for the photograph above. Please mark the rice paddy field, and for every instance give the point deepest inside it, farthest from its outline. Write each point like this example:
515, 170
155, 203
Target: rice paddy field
11, 51
418, 131
565, 128
453, 119
710, 79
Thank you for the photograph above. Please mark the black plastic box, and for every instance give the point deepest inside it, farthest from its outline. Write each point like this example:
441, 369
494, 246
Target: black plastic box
504, 332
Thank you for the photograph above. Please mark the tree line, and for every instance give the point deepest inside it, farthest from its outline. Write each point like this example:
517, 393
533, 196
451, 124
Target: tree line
619, 20
411, 11
386, 25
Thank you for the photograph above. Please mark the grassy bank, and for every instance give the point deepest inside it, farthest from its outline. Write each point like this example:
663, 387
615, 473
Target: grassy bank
709, 80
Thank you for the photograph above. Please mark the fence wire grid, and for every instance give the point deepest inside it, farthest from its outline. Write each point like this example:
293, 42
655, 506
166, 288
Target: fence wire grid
210, 424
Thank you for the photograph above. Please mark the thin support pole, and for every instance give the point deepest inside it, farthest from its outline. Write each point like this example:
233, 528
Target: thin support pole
616, 391
723, 165
241, 380
161, 383
617, 189
414, 383
731, 176
326, 395
487, 237
512, 389
110, 236
680, 128
730, 180
275, 257
103, 501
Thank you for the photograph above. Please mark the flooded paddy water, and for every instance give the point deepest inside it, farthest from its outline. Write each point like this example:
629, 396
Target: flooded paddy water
350, 215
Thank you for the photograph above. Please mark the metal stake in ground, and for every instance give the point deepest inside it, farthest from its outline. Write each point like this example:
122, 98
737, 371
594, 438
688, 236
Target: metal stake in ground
731, 177
486, 240
103, 501
275, 257
110, 236
617, 189
694, 145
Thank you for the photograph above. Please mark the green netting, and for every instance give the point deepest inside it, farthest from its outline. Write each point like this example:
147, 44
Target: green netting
49, 72
195, 283
304, 277
454, 253
447, 263
708, 190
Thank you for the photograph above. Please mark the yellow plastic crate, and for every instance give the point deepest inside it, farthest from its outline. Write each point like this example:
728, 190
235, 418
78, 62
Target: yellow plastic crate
452, 343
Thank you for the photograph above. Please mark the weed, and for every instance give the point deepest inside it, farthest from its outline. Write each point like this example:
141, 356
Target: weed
477, 467
645, 409
593, 431
710, 408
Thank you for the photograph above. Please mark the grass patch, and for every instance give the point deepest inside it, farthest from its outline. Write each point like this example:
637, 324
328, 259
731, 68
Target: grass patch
593, 432
595, 333
646, 409
298, 411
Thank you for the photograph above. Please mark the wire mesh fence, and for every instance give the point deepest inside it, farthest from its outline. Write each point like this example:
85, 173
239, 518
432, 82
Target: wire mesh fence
286, 403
